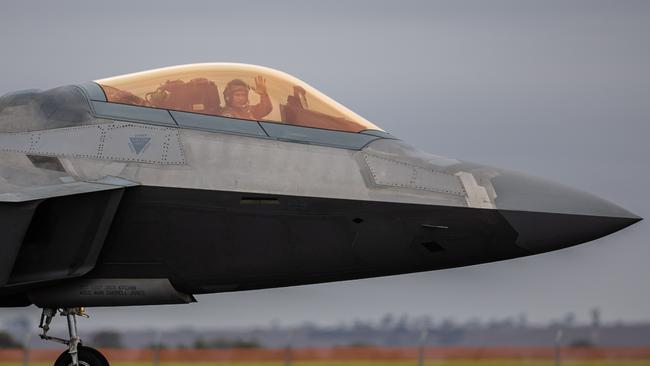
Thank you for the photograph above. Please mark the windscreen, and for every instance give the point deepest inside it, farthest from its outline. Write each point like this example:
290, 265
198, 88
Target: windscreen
240, 91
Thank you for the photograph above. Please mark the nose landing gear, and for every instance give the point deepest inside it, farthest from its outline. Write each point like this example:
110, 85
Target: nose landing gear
77, 354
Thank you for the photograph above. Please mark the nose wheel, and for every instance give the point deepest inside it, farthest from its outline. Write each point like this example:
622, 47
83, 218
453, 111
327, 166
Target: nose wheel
86, 356
77, 354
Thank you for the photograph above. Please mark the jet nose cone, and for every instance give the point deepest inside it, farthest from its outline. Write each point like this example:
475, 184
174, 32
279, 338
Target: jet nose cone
549, 216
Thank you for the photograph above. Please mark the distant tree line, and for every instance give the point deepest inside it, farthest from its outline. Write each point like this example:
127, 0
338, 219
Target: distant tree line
7, 341
201, 343
107, 339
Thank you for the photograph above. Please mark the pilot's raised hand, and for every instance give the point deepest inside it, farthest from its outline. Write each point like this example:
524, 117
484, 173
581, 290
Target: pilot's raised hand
260, 85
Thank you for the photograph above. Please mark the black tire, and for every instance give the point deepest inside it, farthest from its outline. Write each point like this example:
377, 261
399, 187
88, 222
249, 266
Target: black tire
87, 357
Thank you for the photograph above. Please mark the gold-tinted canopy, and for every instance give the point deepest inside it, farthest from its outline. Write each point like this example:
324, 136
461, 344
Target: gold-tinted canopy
232, 90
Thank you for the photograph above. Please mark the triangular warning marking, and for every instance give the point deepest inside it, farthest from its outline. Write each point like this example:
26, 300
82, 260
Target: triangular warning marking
139, 143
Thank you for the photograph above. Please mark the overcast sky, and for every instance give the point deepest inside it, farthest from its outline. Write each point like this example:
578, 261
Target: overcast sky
558, 89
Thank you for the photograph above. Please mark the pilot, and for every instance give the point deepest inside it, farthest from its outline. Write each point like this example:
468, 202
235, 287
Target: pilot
237, 104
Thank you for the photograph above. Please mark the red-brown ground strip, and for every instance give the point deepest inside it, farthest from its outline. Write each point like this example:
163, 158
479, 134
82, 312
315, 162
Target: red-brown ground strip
343, 354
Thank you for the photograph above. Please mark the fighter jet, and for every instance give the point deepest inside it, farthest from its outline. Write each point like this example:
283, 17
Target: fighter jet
149, 188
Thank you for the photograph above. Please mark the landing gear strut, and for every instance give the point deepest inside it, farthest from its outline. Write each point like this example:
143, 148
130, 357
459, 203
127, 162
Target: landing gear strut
77, 354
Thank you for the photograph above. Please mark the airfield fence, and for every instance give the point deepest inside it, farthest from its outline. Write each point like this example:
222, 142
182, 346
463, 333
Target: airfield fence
350, 356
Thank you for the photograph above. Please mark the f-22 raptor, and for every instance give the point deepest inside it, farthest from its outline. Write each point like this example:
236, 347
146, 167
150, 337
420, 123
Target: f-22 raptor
152, 187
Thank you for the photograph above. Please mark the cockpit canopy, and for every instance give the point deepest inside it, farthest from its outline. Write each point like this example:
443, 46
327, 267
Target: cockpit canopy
231, 90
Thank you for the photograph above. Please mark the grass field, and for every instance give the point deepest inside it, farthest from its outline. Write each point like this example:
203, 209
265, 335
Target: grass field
369, 356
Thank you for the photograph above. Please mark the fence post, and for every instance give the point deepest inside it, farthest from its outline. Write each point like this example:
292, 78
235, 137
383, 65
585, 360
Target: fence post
156, 348
26, 348
288, 356
423, 340
558, 344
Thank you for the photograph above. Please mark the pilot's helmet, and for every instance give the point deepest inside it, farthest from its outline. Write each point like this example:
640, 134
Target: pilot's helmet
234, 86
